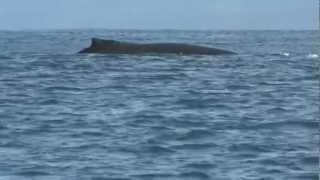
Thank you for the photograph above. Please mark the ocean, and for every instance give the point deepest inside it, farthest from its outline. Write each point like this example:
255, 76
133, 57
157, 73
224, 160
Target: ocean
250, 116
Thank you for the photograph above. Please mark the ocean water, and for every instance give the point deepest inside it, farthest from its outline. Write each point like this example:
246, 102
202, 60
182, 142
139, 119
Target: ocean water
250, 116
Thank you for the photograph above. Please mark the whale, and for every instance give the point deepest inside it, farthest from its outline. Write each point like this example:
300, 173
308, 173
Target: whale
117, 47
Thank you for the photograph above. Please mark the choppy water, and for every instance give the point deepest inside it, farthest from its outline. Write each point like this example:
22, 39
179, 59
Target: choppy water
248, 116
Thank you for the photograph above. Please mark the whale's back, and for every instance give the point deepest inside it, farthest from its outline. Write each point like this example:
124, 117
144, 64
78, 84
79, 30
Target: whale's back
117, 47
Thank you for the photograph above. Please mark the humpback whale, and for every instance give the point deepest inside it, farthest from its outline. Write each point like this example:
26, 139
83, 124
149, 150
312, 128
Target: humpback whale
117, 47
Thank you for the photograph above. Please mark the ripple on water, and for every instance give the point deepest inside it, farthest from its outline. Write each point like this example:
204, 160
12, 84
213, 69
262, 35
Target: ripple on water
313, 56
201, 166
196, 134
157, 150
248, 116
17, 177
33, 173
195, 175
195, 147
155, 176
250, 148
5, 57
308, 124
304, 176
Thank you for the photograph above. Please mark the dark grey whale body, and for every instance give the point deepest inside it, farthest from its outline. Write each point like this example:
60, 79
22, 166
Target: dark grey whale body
117, 47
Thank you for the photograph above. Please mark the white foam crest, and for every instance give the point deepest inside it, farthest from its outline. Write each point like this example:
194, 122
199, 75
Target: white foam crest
313, 56
286, 54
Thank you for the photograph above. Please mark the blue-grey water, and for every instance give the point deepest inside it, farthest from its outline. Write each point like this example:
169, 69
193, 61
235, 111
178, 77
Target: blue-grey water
250, 116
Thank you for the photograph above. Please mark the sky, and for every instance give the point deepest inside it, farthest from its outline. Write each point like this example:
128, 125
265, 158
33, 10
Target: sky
159, 14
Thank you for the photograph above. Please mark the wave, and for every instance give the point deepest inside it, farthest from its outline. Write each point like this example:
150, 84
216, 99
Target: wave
192, 147
196, 134
312, 56
5, 57
200, 165
195, 175
286, 54
282, 54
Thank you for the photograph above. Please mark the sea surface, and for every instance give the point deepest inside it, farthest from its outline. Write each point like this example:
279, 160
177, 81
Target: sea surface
250, 116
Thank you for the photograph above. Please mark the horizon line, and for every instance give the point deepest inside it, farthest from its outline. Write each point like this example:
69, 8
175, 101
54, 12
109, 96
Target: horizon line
161, 29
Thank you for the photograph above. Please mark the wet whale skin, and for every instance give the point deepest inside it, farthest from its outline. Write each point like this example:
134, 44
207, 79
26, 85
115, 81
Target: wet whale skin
117, 47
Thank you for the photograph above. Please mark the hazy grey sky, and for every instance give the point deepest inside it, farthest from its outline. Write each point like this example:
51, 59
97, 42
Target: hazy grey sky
159, 14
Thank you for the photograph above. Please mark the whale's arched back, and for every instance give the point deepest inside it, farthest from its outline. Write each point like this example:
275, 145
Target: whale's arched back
102, 42
117, 47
